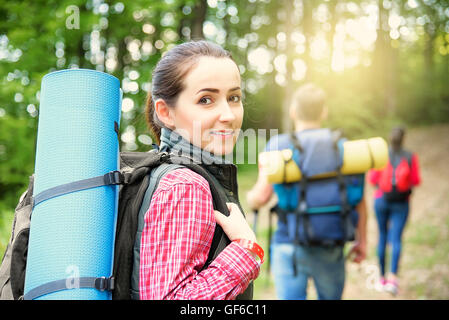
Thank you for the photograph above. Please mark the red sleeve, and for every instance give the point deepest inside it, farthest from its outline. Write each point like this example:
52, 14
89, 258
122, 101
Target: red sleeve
415, 175
176, 239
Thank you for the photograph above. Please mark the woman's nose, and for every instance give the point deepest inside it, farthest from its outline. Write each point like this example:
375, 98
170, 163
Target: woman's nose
226, 113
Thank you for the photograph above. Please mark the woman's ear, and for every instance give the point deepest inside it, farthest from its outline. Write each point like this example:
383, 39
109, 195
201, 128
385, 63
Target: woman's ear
164, 114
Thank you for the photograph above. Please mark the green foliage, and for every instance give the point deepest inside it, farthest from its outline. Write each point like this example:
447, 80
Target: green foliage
6, 219
17, 146
400, 77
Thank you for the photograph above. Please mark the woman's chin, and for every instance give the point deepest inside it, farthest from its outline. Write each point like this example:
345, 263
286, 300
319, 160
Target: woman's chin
220, 148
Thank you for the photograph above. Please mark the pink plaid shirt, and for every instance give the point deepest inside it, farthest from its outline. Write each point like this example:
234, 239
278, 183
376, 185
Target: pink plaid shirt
178, 232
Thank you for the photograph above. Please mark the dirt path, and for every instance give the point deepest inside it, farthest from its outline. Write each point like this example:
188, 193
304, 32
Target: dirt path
424, 266
429, 214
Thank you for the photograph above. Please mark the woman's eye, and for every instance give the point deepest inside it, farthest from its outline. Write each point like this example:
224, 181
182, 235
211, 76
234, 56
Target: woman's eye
205, 100
235, 98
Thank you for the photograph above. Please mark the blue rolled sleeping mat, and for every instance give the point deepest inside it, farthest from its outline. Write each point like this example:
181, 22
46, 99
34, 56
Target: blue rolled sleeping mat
72, 231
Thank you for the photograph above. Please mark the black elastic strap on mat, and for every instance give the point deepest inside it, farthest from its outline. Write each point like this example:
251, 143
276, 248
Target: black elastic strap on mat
110, 178
99, 283
117, 131
116, 128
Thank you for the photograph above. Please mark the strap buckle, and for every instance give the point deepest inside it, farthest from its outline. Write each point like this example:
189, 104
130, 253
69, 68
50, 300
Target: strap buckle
103, 283
164, 156
113, 177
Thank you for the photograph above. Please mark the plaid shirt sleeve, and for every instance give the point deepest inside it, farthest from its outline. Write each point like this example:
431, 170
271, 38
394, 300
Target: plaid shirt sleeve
176, 239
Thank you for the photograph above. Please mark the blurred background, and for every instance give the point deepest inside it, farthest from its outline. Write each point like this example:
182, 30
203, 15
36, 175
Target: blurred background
381, 62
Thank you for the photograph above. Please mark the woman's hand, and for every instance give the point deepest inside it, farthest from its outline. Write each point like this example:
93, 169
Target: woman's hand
235, 225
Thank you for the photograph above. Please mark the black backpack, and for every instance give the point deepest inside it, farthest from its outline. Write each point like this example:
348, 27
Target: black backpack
134, 178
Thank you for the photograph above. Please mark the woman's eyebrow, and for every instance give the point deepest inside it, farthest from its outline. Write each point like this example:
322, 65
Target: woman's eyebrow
209, 89
216, 90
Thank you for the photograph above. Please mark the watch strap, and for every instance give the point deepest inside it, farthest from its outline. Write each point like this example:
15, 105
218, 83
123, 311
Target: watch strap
251, 246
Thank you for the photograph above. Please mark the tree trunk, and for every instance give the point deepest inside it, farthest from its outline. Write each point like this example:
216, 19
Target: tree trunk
307, 23
380, 67
289, 52
331, 33
200, 12
428, 55
182, 23
392, 79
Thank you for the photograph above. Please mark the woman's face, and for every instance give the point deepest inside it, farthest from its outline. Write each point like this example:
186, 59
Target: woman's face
209, 111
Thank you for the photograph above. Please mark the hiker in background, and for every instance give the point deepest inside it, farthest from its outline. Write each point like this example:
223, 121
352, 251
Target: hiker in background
394, 185
196, 85
305, 244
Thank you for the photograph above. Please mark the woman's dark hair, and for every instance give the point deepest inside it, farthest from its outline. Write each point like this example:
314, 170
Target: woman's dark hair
169, 73
397, 138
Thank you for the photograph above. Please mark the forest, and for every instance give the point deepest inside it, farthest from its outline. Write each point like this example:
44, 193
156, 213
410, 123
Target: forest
381, 62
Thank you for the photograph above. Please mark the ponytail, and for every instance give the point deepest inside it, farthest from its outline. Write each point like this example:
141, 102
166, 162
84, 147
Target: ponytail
153, 122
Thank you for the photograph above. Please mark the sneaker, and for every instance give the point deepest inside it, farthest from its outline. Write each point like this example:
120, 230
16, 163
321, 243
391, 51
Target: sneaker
392, 287
380, 285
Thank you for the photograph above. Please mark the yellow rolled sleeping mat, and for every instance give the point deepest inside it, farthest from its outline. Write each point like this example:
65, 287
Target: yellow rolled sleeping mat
358, 157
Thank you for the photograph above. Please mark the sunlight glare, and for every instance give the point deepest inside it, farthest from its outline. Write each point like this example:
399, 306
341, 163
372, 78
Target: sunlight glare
260, 59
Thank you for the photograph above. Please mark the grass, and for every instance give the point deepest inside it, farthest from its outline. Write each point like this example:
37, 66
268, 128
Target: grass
429, 246
425, 234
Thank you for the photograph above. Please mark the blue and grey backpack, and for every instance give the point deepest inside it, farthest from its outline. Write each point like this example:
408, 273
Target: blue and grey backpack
318, 212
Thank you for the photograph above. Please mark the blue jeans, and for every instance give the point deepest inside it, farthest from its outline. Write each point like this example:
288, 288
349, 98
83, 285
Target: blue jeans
325, 266
391, 219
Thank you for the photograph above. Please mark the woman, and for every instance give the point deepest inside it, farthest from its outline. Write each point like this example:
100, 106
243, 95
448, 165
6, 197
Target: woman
394, 185
195, 109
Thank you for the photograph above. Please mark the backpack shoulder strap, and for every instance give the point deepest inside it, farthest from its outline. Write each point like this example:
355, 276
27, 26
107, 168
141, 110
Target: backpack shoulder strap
136, 166
155, 176
295, 141
220, 240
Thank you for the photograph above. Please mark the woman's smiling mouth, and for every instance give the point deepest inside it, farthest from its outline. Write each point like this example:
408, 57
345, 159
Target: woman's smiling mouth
223, 133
